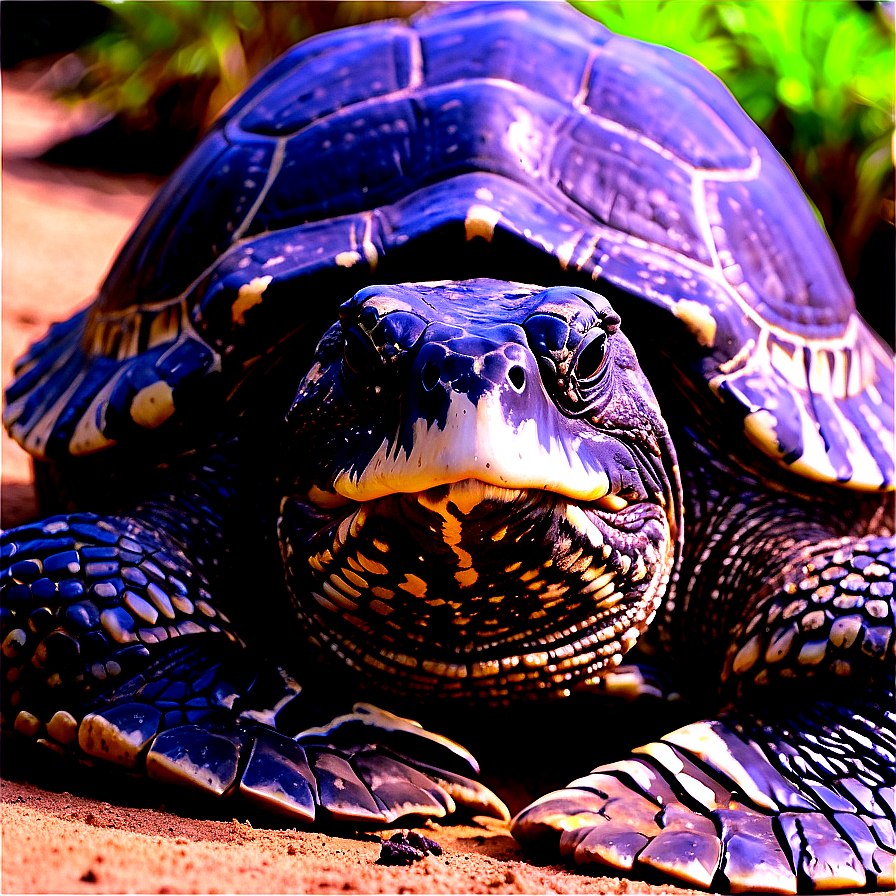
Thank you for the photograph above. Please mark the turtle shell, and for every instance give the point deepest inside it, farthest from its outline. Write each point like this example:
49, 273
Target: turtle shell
480, 140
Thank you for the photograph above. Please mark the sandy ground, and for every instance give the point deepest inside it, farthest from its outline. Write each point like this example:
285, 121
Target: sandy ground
60, 231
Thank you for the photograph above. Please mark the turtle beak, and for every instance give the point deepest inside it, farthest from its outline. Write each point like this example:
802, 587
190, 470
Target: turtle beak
476, 409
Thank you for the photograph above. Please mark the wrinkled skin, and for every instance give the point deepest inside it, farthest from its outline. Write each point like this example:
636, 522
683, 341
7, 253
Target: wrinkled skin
457, 436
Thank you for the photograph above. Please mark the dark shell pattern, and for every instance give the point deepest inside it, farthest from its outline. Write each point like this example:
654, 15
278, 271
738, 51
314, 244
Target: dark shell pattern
525, 126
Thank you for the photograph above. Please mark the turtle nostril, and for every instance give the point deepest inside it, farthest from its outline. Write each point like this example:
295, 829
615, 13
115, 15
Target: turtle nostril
517, 377
430, 377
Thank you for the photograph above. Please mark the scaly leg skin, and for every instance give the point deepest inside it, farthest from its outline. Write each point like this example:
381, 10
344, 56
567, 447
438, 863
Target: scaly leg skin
114, 650
788, 792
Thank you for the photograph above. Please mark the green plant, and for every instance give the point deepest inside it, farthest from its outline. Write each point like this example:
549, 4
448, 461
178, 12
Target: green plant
817, 77
182, 61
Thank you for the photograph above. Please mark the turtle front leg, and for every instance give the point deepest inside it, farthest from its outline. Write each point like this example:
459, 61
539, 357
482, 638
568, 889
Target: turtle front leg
115, 650
787, 792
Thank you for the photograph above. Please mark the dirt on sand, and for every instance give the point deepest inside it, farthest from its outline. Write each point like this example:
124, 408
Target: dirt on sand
60, 231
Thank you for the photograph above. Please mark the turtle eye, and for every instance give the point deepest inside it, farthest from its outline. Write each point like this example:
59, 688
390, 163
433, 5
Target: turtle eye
591, 355
358, 355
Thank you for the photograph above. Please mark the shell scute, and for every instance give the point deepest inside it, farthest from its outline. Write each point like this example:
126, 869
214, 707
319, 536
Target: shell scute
641, 88
785, 267
335, 253
383, 60
553, 64
142, 271
628, 186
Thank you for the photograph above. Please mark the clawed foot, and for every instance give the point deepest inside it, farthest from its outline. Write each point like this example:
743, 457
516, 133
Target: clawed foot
705, 806
348, 771
113, 651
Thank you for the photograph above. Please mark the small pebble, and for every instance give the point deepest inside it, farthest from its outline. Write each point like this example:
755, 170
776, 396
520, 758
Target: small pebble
407, 847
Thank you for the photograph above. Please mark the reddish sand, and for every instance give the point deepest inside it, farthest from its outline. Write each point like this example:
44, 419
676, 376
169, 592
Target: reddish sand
60, 231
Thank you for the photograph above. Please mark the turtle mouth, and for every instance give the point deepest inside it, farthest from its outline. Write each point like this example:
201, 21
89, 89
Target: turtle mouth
475, 590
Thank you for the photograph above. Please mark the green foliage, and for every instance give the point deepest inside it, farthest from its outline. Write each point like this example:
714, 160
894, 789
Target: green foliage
817, 77
184, 60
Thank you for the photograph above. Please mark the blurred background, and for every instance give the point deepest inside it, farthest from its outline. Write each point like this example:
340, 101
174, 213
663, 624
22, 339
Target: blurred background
145, 79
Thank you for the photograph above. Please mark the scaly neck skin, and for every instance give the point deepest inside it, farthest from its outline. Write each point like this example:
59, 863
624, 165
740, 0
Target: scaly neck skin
739, 533
189, 508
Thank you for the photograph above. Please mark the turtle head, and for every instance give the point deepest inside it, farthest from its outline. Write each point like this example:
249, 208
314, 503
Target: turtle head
484, 499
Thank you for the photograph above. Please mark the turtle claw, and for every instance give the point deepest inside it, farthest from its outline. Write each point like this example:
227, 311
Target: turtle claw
400, 789
753, 860
819, 853
469, 796
708, 807
367, 723
191, 756
120, 734
342, 793
408, 770
691, 856
278, 777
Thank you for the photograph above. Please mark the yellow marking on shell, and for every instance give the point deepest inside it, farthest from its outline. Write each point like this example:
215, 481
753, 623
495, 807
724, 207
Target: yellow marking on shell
379, 607
698, 319
739, 359
513, 567
347, 259
413, 585
249, 295
481, 221
152, 405
372, 566
528, 576
792, 366
382, 593
499, 534
381, 546
444, 670
370, 254
165, 326
565, 249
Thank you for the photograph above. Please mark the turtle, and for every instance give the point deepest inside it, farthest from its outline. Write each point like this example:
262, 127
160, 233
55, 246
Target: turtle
470, 365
